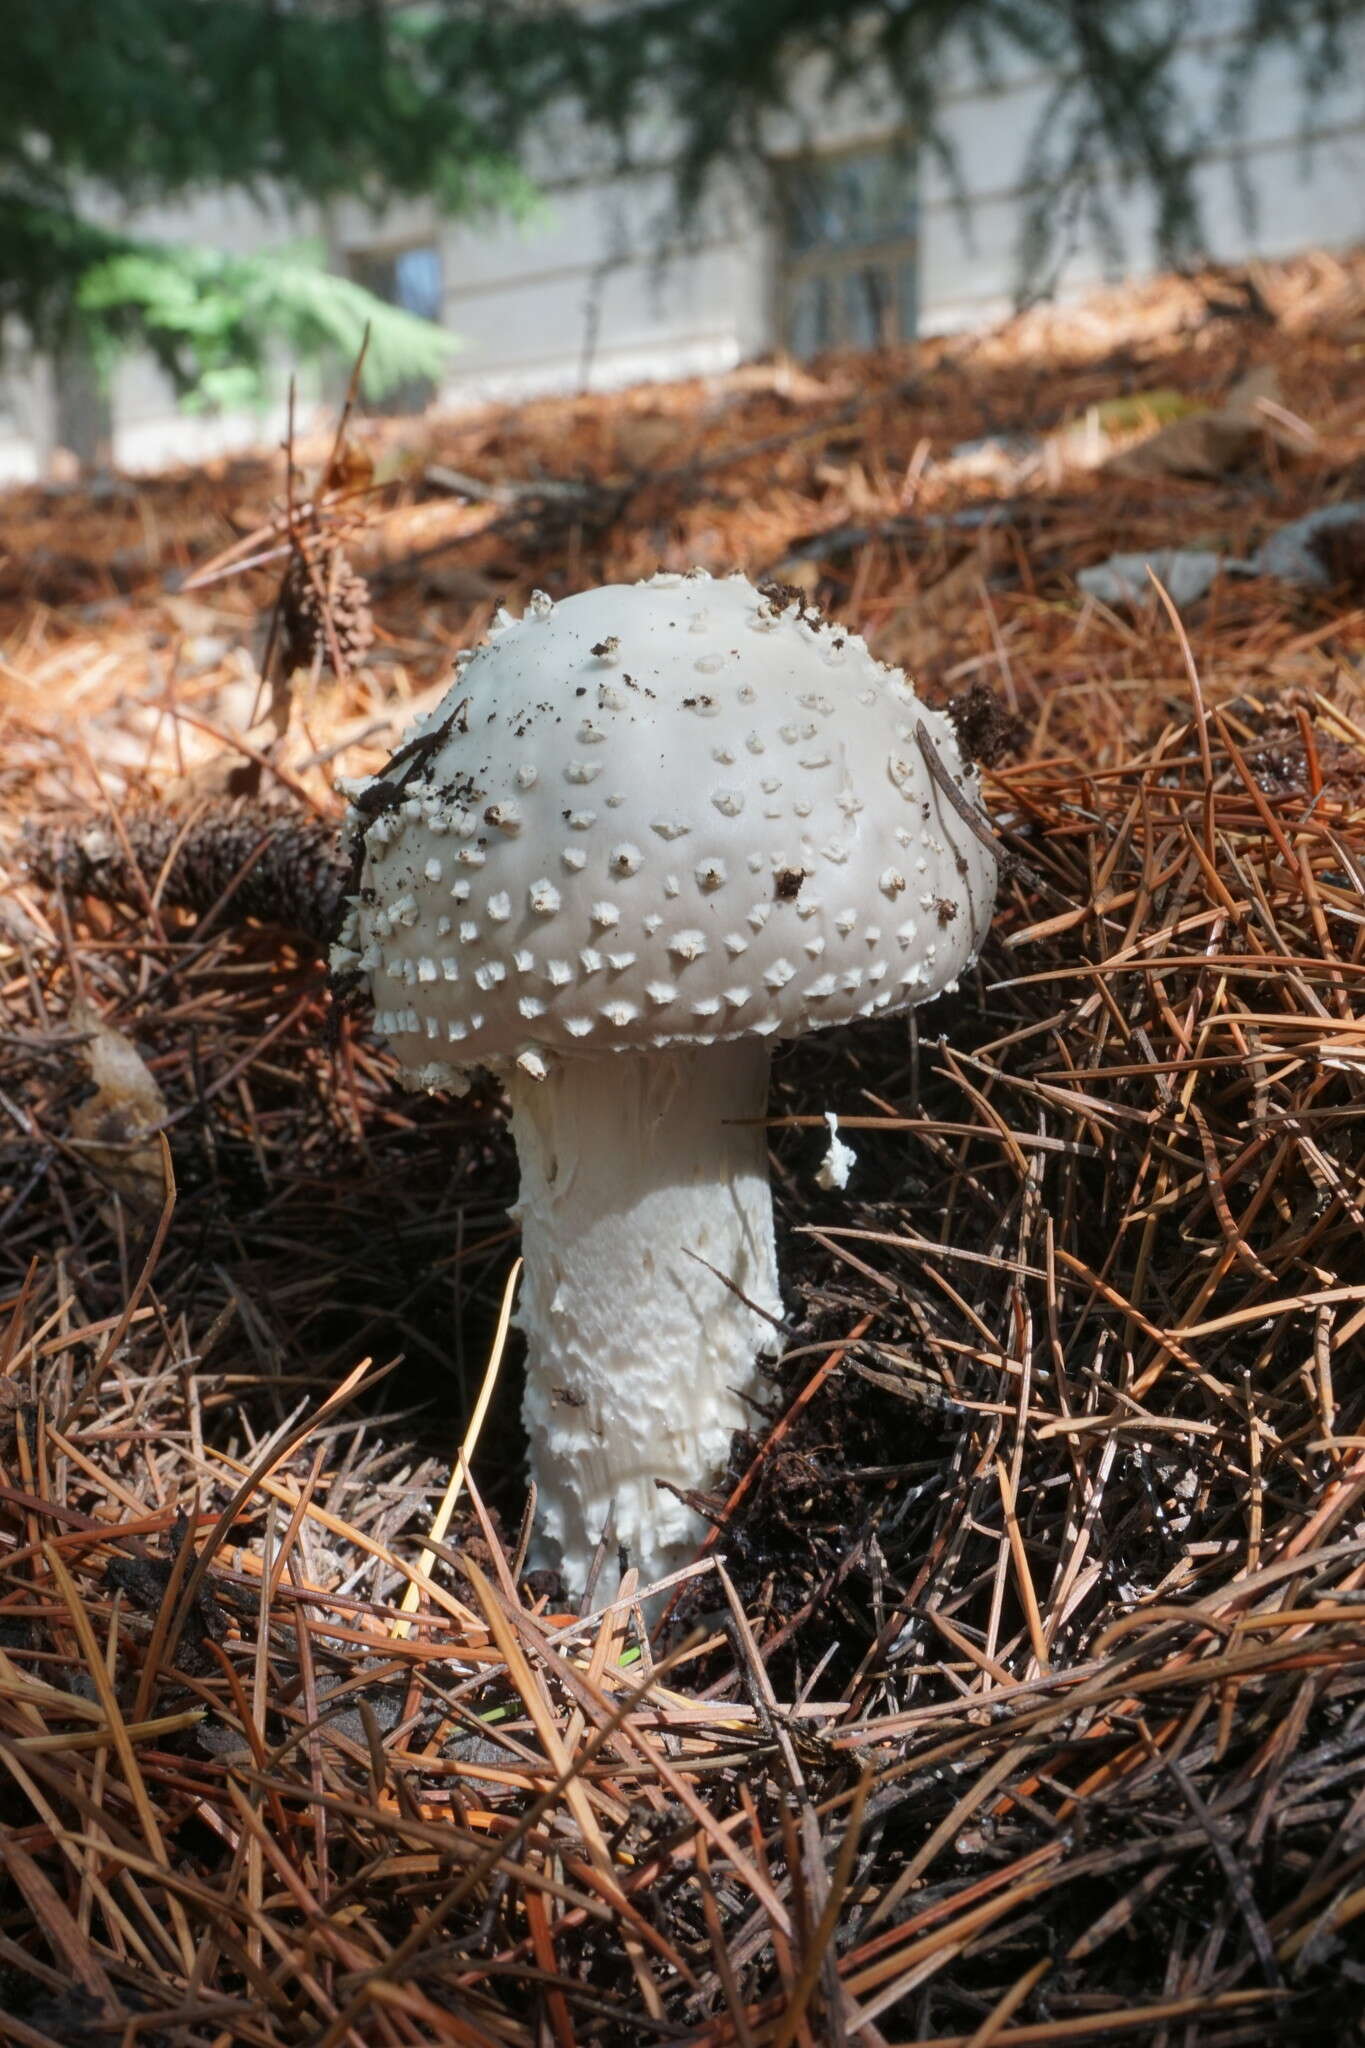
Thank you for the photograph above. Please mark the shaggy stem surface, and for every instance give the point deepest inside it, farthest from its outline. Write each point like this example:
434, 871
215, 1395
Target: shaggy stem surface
634, 1170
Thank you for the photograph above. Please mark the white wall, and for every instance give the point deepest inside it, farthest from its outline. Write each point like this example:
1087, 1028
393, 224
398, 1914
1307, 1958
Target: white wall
520, 298
577, 289
27, 410
1308, 189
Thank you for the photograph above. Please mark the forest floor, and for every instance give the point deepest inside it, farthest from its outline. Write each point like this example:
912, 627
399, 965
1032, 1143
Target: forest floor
1019, 1697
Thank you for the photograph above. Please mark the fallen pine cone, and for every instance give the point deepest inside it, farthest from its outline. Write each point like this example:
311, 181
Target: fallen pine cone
279, 867
312, 596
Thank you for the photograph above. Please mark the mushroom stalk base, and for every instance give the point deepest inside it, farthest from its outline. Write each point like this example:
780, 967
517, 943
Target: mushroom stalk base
634, 1170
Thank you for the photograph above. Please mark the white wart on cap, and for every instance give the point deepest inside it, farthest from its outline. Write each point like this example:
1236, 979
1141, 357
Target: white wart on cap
650, 830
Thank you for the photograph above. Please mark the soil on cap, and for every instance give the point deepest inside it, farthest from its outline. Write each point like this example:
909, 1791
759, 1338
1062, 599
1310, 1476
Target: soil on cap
986, 731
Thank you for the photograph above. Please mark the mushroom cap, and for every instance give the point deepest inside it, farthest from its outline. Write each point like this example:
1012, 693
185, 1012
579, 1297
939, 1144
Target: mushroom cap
681, 810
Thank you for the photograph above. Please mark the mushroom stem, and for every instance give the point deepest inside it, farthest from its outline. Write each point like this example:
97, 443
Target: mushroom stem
634, 1170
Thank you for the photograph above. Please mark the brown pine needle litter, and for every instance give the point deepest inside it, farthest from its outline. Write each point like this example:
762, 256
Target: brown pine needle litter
1020, 1695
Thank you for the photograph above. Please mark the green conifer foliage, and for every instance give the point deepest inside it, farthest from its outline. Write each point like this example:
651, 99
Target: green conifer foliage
129, 102
104, 107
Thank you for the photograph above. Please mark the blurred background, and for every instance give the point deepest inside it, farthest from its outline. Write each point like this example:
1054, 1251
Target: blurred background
199, 198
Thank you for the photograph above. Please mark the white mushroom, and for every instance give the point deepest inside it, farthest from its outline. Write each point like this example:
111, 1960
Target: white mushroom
649, 884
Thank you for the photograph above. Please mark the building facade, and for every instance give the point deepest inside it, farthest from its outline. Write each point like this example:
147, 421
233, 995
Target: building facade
857, 238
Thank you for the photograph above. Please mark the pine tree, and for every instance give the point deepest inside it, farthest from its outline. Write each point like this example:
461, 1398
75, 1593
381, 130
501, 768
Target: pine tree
125, 103
105, 107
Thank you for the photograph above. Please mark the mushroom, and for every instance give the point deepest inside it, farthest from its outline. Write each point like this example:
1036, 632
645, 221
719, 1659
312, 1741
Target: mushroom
651, 829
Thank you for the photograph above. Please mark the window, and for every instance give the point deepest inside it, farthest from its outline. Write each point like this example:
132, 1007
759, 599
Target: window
410, 278
849, 250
